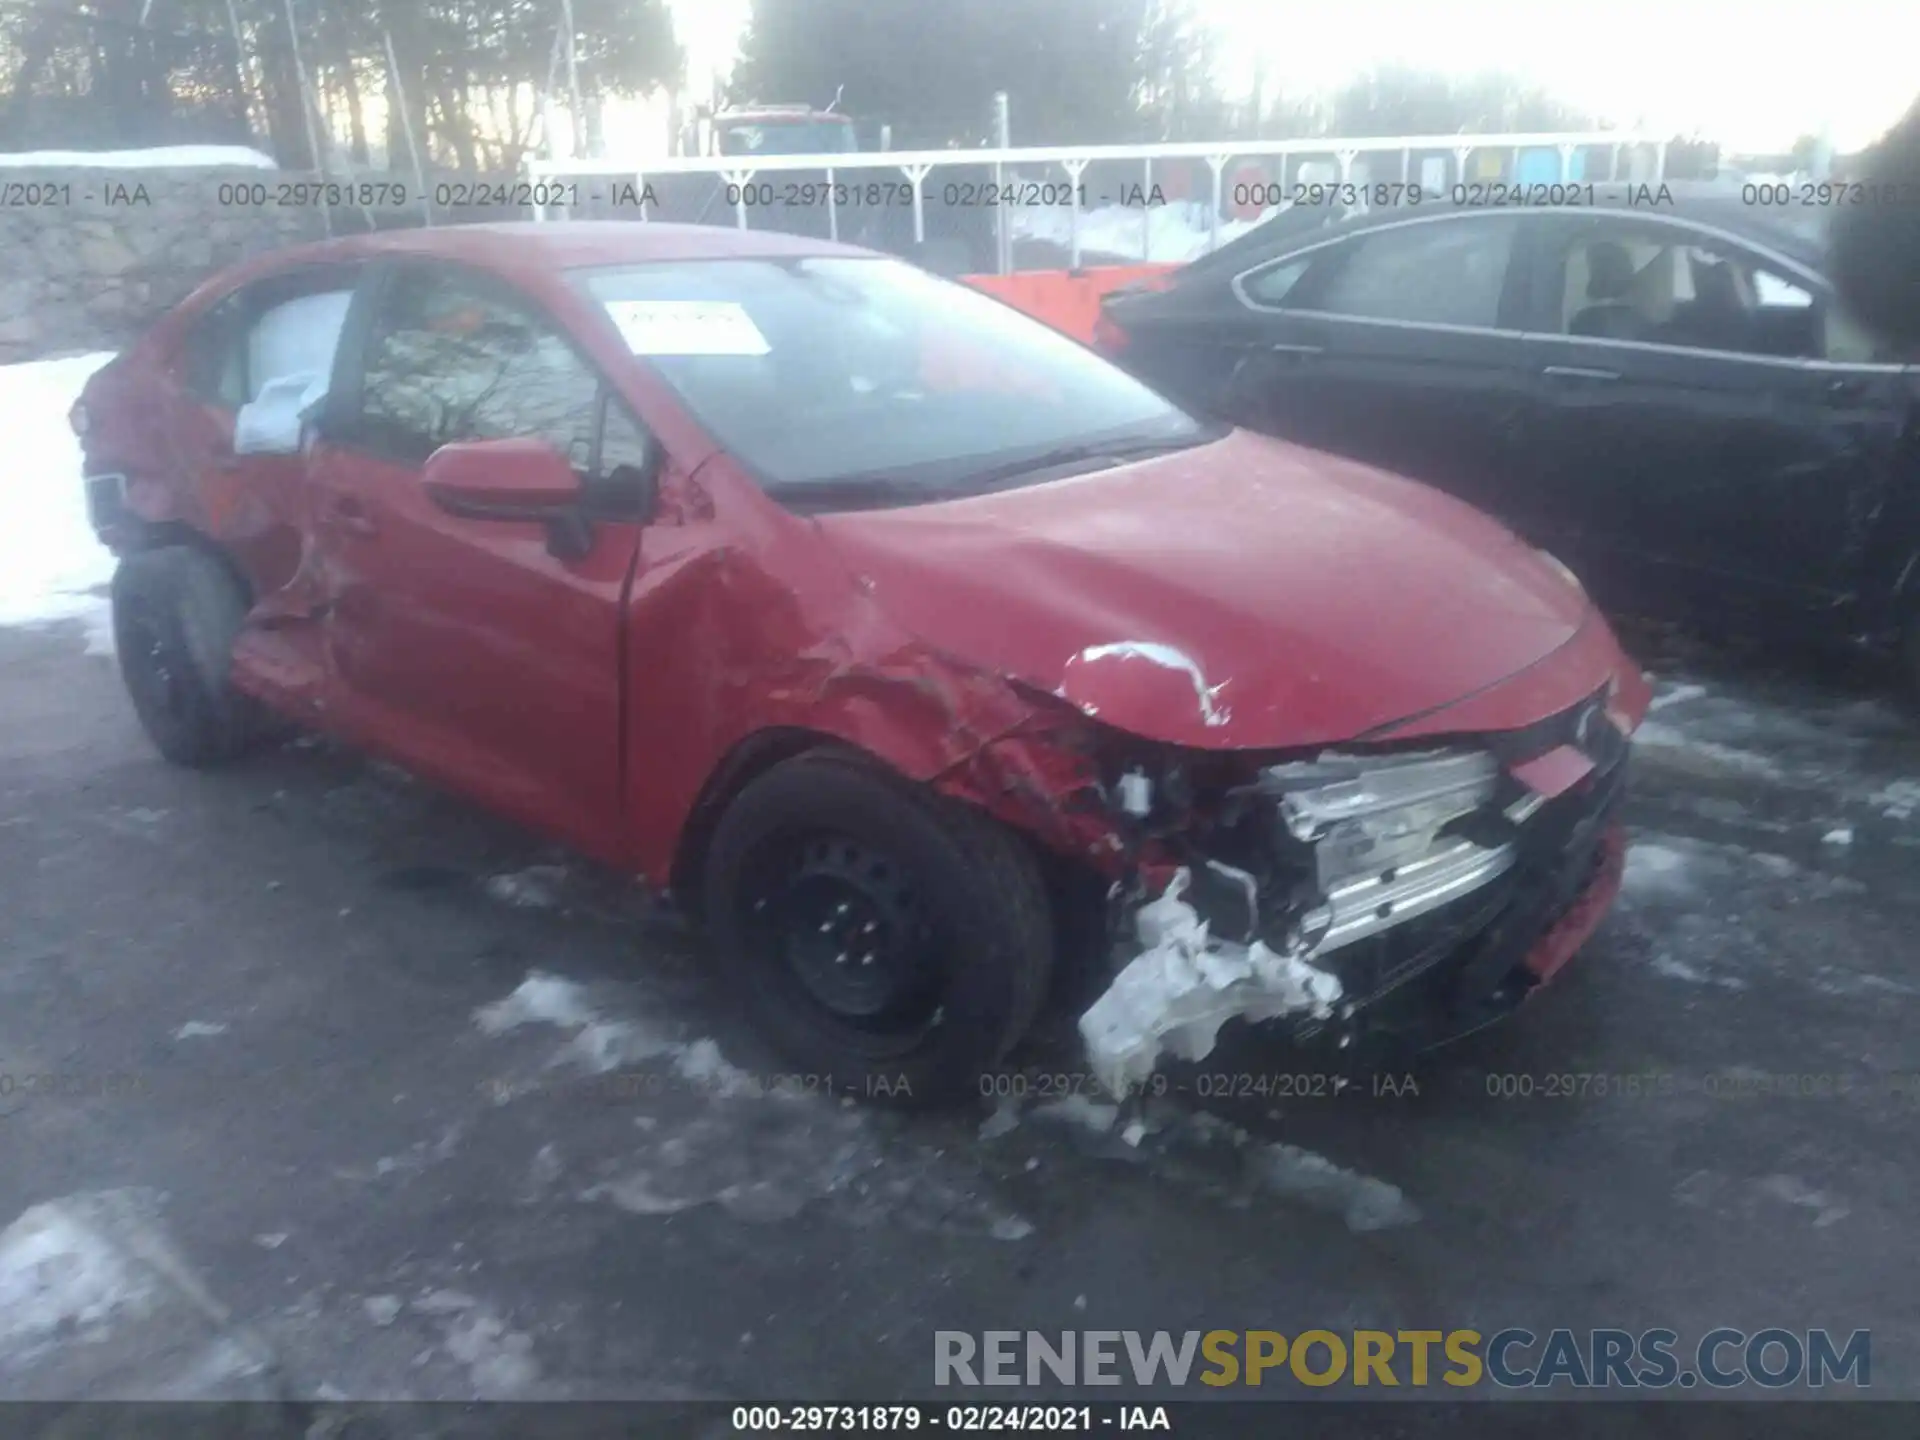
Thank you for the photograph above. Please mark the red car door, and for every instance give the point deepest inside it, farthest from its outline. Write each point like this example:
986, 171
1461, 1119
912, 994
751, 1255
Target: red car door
257, 505
463, 646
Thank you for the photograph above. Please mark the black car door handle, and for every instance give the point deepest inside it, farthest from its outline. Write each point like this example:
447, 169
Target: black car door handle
1579, 372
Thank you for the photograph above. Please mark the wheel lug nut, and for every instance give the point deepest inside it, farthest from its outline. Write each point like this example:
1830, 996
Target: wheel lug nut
867, 959
826, 927
841, 958
869, 927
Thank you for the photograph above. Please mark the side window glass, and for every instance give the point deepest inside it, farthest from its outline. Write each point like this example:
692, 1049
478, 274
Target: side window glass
1270, 286
622, 441
1449, 272
295, 337
1724, 301
450, 360
1659, 286
214, 359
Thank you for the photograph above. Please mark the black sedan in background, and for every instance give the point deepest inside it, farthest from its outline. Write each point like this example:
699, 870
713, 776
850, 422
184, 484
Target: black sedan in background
1657, 385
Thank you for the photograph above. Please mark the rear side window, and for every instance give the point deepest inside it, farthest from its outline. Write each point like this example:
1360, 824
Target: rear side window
1449, 272
1272, 285
288, 324
296, 337
213, 359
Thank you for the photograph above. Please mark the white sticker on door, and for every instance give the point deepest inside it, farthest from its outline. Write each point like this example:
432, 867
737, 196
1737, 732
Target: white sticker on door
687, 327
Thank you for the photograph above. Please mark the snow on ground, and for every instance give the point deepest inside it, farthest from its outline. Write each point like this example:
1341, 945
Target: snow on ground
1177, 231
160, 157
50, 564
715, 1135
59, 1274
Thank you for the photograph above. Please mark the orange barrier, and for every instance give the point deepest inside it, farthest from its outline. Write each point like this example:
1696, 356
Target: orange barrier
1068, 300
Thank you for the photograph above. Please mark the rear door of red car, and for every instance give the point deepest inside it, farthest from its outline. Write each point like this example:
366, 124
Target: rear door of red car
255, 505
464, 646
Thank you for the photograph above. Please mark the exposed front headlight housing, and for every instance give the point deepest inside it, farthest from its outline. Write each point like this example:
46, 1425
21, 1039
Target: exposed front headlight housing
1374, 825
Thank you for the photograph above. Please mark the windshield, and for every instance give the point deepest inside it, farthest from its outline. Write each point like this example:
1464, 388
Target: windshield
787, 137
827, 374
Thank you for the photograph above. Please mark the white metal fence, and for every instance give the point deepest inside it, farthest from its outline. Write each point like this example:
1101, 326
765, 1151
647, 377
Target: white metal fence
1005, 206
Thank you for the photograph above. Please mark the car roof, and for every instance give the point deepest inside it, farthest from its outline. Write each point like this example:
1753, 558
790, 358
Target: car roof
536, 247
1794, 232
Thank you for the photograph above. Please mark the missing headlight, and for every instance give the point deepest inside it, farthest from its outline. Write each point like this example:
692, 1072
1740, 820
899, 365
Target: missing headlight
1379, 830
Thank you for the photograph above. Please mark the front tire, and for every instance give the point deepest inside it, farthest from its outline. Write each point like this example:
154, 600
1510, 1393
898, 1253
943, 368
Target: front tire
885, 938
176, 612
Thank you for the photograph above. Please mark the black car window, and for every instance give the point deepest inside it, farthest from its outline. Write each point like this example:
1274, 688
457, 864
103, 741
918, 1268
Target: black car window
451, 359
1448, 272
622, 441
1663, 285
1270, 286
213, 357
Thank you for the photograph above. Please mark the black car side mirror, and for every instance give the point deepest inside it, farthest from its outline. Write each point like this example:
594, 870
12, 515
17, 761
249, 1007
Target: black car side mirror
627, 492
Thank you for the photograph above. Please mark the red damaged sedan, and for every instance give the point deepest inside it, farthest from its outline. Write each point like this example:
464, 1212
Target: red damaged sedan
919, 651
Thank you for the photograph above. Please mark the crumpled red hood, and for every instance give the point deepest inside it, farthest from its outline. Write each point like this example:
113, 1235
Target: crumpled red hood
1243, 594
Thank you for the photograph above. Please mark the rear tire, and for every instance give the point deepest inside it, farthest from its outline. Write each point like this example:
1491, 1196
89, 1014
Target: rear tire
894, 943
176, 612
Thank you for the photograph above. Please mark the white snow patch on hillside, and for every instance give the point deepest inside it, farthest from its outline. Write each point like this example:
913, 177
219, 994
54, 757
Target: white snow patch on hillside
159, 157
50, 562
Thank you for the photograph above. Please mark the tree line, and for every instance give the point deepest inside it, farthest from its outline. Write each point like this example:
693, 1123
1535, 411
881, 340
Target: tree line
352, 79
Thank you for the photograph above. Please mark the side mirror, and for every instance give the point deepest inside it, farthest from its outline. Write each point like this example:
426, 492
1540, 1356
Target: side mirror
518, 479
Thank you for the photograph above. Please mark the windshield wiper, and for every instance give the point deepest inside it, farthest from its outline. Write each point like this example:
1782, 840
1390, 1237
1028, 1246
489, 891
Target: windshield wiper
864, 493
1116, 451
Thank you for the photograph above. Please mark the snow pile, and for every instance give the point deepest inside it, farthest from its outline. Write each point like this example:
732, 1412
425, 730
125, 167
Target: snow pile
60, 1274
600, 1046
1315, 1181
1183, 986
1653, 868
535, 888
160, 157
1177, 231
49, 560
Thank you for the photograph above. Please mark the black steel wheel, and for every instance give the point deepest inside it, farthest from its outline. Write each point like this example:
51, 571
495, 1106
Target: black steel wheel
175, 614
888, 940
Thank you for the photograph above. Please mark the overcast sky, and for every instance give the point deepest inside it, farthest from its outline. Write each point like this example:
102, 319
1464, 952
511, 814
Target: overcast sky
1753, 75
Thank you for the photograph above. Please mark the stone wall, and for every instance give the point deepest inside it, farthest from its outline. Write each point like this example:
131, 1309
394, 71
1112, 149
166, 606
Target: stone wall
90, 256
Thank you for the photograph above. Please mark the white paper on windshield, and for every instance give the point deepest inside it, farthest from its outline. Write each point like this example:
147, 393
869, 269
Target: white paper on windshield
687, 327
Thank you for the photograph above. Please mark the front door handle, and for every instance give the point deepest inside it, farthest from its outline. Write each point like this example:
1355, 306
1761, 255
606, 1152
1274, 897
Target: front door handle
1579, 372
1287, 350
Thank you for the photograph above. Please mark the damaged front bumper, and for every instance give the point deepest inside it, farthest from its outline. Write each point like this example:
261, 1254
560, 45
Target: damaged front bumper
1414, 895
